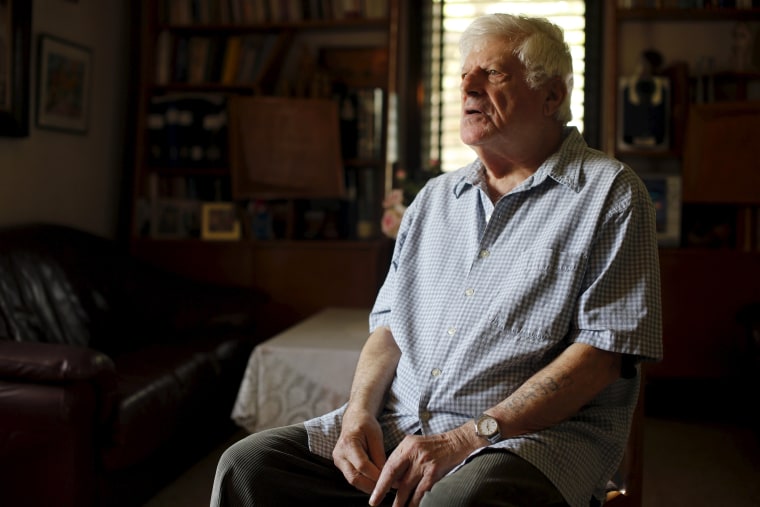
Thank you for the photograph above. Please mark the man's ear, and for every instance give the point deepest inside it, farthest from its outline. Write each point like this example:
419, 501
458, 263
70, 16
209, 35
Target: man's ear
555, 95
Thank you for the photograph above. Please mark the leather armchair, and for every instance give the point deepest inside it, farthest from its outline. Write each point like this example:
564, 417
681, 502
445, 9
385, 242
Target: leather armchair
114, 375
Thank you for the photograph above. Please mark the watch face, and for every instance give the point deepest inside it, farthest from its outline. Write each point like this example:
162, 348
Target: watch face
487, 426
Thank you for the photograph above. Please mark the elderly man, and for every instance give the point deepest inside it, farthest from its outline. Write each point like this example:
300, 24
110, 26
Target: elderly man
502, 363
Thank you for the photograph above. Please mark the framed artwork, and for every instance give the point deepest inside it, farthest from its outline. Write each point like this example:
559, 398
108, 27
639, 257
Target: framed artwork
175, 218
15, 40
219, 220
63, 85
298, 136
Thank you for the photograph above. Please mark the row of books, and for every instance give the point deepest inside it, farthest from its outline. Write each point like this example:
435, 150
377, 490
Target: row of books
237, 59
185, 12
361, 122
688, 4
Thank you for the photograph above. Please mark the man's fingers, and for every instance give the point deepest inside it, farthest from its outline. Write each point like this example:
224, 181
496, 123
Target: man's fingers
377, 455
355, 477
425, 485
389, 476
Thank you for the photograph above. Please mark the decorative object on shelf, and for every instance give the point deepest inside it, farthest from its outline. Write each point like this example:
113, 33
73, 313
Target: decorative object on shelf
720, 153
393, 212
15, 29
63, 84
644, 107
665, 191
741, 47
285, 148
219, 220
187, 130
405, 188
175, 218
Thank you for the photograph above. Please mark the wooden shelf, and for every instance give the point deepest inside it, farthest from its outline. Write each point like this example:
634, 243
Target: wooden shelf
297, 271
702, 288
676, 15
318, 25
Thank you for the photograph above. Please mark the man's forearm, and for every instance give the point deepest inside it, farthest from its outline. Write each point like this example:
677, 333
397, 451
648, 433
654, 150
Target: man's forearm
374, 371
558, 391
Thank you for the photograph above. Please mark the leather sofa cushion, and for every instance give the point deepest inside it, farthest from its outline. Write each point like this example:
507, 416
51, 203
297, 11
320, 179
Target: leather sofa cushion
156, 387
160, 386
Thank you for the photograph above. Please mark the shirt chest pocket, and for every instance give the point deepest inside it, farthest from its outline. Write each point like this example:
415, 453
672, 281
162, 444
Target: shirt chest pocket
539, 294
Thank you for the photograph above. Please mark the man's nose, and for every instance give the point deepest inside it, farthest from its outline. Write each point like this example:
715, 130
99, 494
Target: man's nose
472, 83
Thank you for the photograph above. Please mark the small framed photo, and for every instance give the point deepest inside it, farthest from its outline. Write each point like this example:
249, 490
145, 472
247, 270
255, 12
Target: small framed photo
63, 85
175, 218
219, 220
665, 191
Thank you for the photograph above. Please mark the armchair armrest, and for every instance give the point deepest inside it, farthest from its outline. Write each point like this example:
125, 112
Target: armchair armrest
58, 365
47, 362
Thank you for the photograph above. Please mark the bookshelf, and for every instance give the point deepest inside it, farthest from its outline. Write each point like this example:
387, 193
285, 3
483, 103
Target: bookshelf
278, 111
710, 266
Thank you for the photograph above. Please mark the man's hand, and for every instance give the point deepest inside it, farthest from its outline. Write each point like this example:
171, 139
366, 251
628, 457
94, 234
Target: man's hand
359, 452
420, 461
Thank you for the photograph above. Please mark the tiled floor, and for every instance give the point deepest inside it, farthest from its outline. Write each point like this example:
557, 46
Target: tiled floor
685, 464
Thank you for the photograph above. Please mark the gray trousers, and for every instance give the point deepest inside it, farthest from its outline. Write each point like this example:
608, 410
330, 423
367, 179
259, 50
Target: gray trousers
275, 468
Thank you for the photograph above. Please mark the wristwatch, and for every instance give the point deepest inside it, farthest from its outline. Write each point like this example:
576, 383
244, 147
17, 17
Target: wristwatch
488, 428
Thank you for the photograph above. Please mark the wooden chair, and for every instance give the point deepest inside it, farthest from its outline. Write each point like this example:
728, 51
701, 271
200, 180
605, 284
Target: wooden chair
625, 489
749, 318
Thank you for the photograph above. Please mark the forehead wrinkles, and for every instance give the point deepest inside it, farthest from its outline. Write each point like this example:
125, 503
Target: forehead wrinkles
497, 49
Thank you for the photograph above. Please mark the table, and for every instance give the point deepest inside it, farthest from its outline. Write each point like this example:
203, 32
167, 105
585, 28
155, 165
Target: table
303, 372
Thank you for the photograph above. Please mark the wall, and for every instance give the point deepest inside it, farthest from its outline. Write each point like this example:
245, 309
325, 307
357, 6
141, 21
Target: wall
66, 178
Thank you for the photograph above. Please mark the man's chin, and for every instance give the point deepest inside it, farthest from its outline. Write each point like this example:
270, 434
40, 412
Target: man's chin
472, 137
474, 131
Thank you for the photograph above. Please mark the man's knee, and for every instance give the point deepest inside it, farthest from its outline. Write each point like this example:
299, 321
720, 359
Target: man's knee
494, 478
259, 451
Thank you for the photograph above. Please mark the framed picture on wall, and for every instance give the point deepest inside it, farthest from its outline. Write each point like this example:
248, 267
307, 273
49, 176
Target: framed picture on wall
15, 30
63, 85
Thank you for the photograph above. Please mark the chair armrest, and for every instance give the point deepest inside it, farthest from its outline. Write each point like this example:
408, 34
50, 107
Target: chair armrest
47, 362
56, 365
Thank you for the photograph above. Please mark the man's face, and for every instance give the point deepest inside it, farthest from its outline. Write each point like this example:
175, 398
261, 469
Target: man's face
497, 104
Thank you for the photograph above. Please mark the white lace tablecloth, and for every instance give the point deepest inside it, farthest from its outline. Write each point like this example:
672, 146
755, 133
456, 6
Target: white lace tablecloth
303, 372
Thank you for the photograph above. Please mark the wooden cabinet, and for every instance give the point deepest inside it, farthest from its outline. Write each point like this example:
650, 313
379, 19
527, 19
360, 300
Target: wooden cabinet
211, 161
713, 149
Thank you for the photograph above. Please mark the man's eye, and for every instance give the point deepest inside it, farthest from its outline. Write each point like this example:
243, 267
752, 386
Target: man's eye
493, 72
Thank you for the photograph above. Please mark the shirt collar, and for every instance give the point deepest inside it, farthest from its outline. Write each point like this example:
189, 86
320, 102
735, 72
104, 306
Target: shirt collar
563, 166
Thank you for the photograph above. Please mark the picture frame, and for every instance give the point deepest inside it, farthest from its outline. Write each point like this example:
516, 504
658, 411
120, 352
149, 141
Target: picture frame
15, 43
175, 219
63, 85
219, 221
665, 191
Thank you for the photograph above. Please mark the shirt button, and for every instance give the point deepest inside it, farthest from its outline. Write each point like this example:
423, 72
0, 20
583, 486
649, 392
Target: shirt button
436, 372
484, 253
424, 416
469, 292
451, 331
